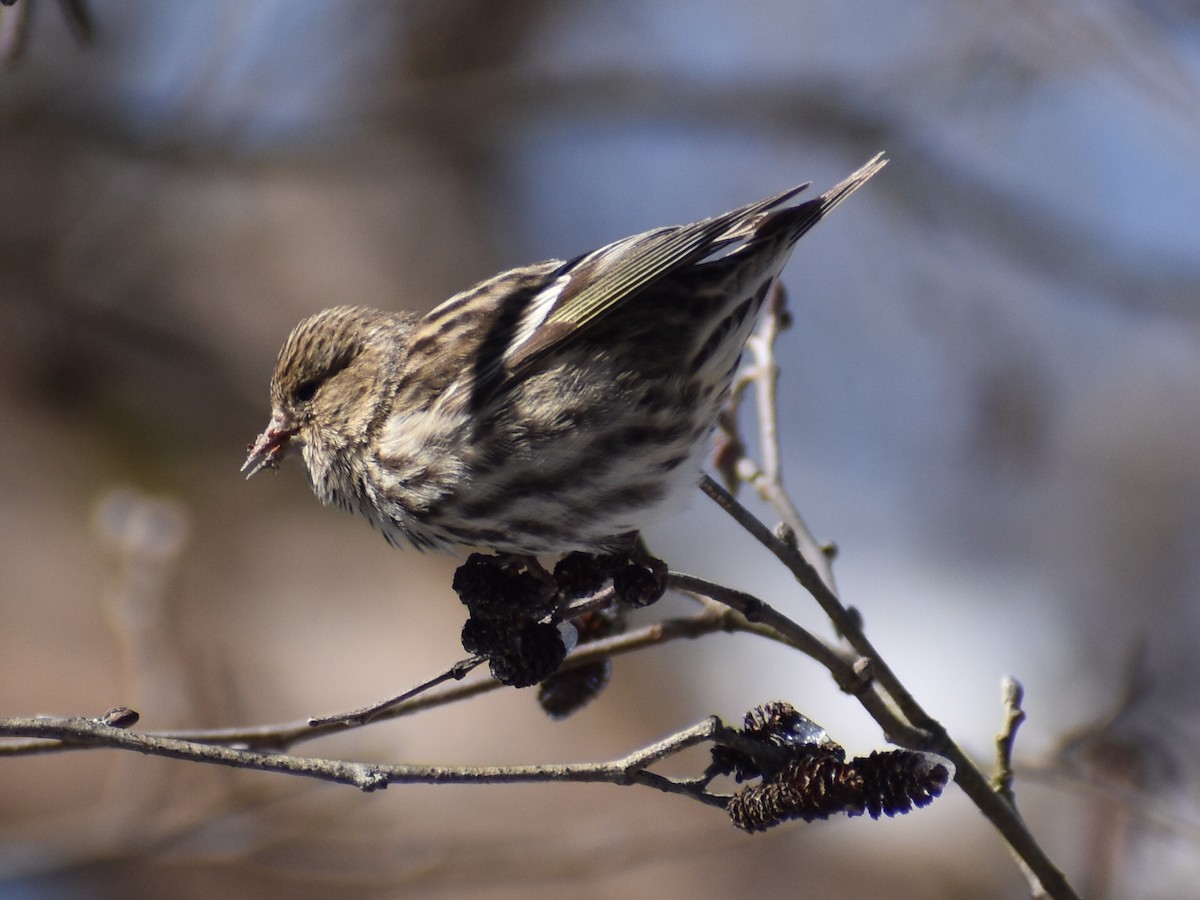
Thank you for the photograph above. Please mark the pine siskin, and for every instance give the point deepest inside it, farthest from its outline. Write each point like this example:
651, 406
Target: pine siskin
554, 407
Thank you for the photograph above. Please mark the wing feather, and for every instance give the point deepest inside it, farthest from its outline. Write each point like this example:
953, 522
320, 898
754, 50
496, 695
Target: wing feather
607, 278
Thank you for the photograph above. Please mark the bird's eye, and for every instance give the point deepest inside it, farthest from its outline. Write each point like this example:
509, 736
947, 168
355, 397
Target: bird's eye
306, 390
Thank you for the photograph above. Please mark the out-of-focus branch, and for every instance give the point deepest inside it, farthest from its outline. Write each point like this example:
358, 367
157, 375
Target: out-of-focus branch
14, 25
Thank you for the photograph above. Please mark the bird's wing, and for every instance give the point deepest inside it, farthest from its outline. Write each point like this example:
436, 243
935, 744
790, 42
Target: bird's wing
591, 286
512, 321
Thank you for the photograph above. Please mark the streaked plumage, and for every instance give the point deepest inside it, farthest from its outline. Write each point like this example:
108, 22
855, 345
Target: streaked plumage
553, 407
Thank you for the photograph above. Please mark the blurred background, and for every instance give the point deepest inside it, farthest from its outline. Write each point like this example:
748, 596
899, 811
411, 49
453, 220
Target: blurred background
991, 403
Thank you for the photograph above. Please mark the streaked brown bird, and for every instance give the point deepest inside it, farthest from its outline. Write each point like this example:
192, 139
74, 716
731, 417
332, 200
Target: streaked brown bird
555, 407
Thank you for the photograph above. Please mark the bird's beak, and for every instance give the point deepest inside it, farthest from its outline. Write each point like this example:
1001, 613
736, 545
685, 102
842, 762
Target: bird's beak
270, 446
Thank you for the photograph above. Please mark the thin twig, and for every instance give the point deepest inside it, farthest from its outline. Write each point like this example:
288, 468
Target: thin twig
767, 478
456, 672
779, 626
1013, 695
626, 770
847, 622
281, 736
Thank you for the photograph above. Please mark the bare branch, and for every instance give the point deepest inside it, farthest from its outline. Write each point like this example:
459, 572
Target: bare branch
371, 776
809, 562
767, 479
359, 717
279, 737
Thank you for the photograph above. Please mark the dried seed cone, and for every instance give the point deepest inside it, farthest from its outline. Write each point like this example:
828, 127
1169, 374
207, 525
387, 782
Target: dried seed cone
896, 781
815, 787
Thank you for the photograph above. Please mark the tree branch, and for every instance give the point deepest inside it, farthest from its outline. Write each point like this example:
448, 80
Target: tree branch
632, 769
914, 728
